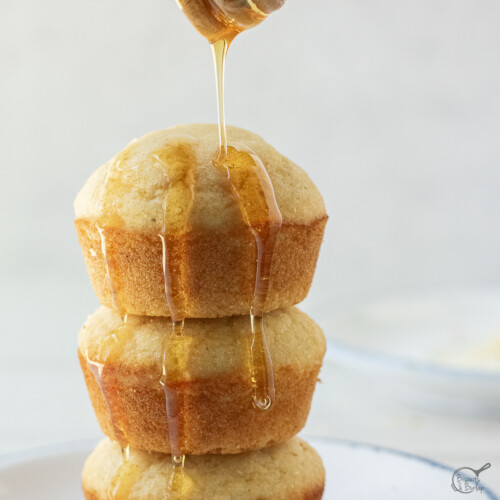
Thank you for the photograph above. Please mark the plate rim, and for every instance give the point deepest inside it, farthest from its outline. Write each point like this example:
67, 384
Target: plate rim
415, 457
393, 361
406, 364
84, 445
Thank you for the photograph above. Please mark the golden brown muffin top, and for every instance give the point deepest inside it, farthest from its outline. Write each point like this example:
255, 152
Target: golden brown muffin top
134, 190
207, 347
289, 470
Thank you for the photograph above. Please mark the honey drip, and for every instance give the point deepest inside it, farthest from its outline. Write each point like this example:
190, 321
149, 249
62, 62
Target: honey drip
254, 193
176, 161
116, 184
220, 21
112, 345
219, 52
110, 348
253, 190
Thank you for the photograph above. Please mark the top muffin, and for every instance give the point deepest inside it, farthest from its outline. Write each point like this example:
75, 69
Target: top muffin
166, 184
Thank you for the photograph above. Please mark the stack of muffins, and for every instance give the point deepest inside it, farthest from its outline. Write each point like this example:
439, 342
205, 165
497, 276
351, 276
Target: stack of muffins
159, 394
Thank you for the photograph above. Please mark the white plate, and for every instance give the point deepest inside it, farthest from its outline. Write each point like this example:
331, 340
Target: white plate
354, 471
439, 350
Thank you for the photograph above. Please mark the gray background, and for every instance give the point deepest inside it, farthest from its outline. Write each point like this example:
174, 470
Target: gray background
392, 107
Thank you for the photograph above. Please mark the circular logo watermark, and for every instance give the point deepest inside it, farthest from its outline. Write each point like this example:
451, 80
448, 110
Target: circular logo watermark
466, 479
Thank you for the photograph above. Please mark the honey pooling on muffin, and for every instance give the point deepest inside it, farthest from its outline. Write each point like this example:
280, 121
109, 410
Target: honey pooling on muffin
125, 478
176, 160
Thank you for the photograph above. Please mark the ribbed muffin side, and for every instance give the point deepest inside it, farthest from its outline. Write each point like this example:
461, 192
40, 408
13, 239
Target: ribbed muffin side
218, 268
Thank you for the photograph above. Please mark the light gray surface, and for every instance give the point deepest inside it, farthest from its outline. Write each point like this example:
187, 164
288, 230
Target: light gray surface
392, 107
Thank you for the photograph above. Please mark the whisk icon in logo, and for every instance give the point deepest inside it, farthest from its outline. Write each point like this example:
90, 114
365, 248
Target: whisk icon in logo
466, 479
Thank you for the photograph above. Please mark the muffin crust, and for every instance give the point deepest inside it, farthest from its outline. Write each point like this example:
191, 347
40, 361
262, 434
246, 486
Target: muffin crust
213, 384
216, 250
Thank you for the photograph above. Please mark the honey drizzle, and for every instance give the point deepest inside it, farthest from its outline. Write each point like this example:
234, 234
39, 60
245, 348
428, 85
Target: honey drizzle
115, 291
253, 190
113, 344
110, 348
264, 226
219, 52
108, 220
176, 161
254, 193
97, 368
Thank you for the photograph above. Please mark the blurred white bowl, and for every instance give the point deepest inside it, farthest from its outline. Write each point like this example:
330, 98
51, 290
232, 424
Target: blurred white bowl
439, 350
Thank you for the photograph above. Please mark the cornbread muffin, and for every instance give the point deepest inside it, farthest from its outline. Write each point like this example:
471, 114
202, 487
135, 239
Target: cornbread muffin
288, 471
166, 183
209, 370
